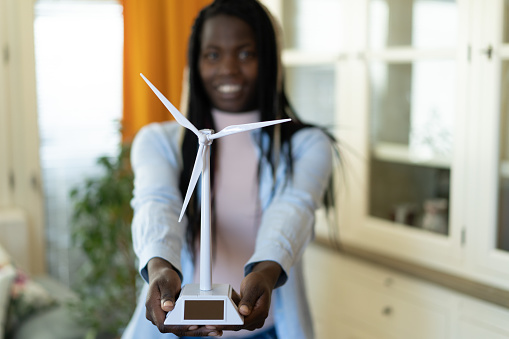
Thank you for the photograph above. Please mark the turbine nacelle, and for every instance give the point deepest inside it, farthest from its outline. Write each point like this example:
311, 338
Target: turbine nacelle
204, 138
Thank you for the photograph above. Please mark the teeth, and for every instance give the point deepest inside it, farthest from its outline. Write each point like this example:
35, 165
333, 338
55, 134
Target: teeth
228, 88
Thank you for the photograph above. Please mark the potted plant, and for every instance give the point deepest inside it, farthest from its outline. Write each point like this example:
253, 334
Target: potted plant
101, 228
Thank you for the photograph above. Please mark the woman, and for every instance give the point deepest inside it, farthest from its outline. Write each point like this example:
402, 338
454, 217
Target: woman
266, 184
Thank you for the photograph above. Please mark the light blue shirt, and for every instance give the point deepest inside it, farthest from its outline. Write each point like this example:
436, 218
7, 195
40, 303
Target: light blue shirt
285, 230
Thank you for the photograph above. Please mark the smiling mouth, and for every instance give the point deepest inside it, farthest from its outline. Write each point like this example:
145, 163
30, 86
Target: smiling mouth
229, 89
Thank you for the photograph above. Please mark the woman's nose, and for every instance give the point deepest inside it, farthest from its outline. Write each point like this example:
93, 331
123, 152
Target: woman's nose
229, 65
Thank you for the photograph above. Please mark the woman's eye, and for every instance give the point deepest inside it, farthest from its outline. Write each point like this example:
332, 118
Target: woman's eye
211, 56
244, 55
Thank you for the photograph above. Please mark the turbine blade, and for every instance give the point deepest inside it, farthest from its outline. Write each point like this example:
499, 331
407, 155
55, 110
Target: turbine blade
245, 127
198, 165
181, 119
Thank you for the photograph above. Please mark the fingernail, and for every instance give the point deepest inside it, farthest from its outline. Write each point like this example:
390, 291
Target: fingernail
210, 327
192, 328
168, 303
212, 334
244, 309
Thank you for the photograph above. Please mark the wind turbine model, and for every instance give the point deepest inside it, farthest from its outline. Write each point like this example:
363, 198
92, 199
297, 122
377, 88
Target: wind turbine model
205, 303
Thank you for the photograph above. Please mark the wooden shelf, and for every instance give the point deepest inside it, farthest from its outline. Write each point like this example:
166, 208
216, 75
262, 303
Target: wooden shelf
292, 57
401, 153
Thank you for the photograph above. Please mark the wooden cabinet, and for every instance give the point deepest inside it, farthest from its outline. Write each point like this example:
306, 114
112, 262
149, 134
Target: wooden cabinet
481, 320
352, 298
389, 312
426, 141
380, 302
488, 247
416, 93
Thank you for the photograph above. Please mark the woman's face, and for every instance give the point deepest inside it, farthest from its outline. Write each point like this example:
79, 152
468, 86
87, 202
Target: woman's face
228, 63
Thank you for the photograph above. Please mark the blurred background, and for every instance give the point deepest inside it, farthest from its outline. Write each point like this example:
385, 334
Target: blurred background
414, 90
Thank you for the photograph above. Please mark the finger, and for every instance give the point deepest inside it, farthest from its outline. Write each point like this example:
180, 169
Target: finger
249, 325
231, 328
169, 289
167, 302
161, 298
154, 313
254, 306
249, 298
193, 331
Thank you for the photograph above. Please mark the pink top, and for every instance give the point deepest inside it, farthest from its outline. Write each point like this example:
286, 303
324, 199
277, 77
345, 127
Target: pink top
236, 204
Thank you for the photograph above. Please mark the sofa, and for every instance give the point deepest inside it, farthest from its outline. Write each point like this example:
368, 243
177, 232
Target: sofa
35, 307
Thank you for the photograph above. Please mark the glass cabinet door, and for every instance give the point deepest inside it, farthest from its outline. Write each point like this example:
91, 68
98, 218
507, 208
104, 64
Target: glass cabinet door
487, 210
489, 222
311, 92
315, 35
413, 92
313, 26
404, 174
417, 93
503, 189
313, 39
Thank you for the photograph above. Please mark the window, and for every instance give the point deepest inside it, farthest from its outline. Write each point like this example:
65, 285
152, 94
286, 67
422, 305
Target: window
78, 51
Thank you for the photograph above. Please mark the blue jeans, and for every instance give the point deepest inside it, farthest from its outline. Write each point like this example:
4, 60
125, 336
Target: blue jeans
267, 334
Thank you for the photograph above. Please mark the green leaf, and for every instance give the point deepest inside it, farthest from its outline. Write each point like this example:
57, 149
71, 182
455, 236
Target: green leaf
108, 279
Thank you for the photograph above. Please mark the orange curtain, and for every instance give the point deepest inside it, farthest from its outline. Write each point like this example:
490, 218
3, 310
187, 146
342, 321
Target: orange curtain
156, 34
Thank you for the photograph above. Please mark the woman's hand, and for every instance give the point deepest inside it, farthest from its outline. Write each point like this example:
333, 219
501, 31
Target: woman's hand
255, 295
164, 287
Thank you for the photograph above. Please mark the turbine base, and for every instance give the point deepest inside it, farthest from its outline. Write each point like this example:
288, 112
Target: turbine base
197, 307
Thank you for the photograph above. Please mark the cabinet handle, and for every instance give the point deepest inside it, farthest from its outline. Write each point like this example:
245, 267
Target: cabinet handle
387, 310
488, 51
5, 55
12, 180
